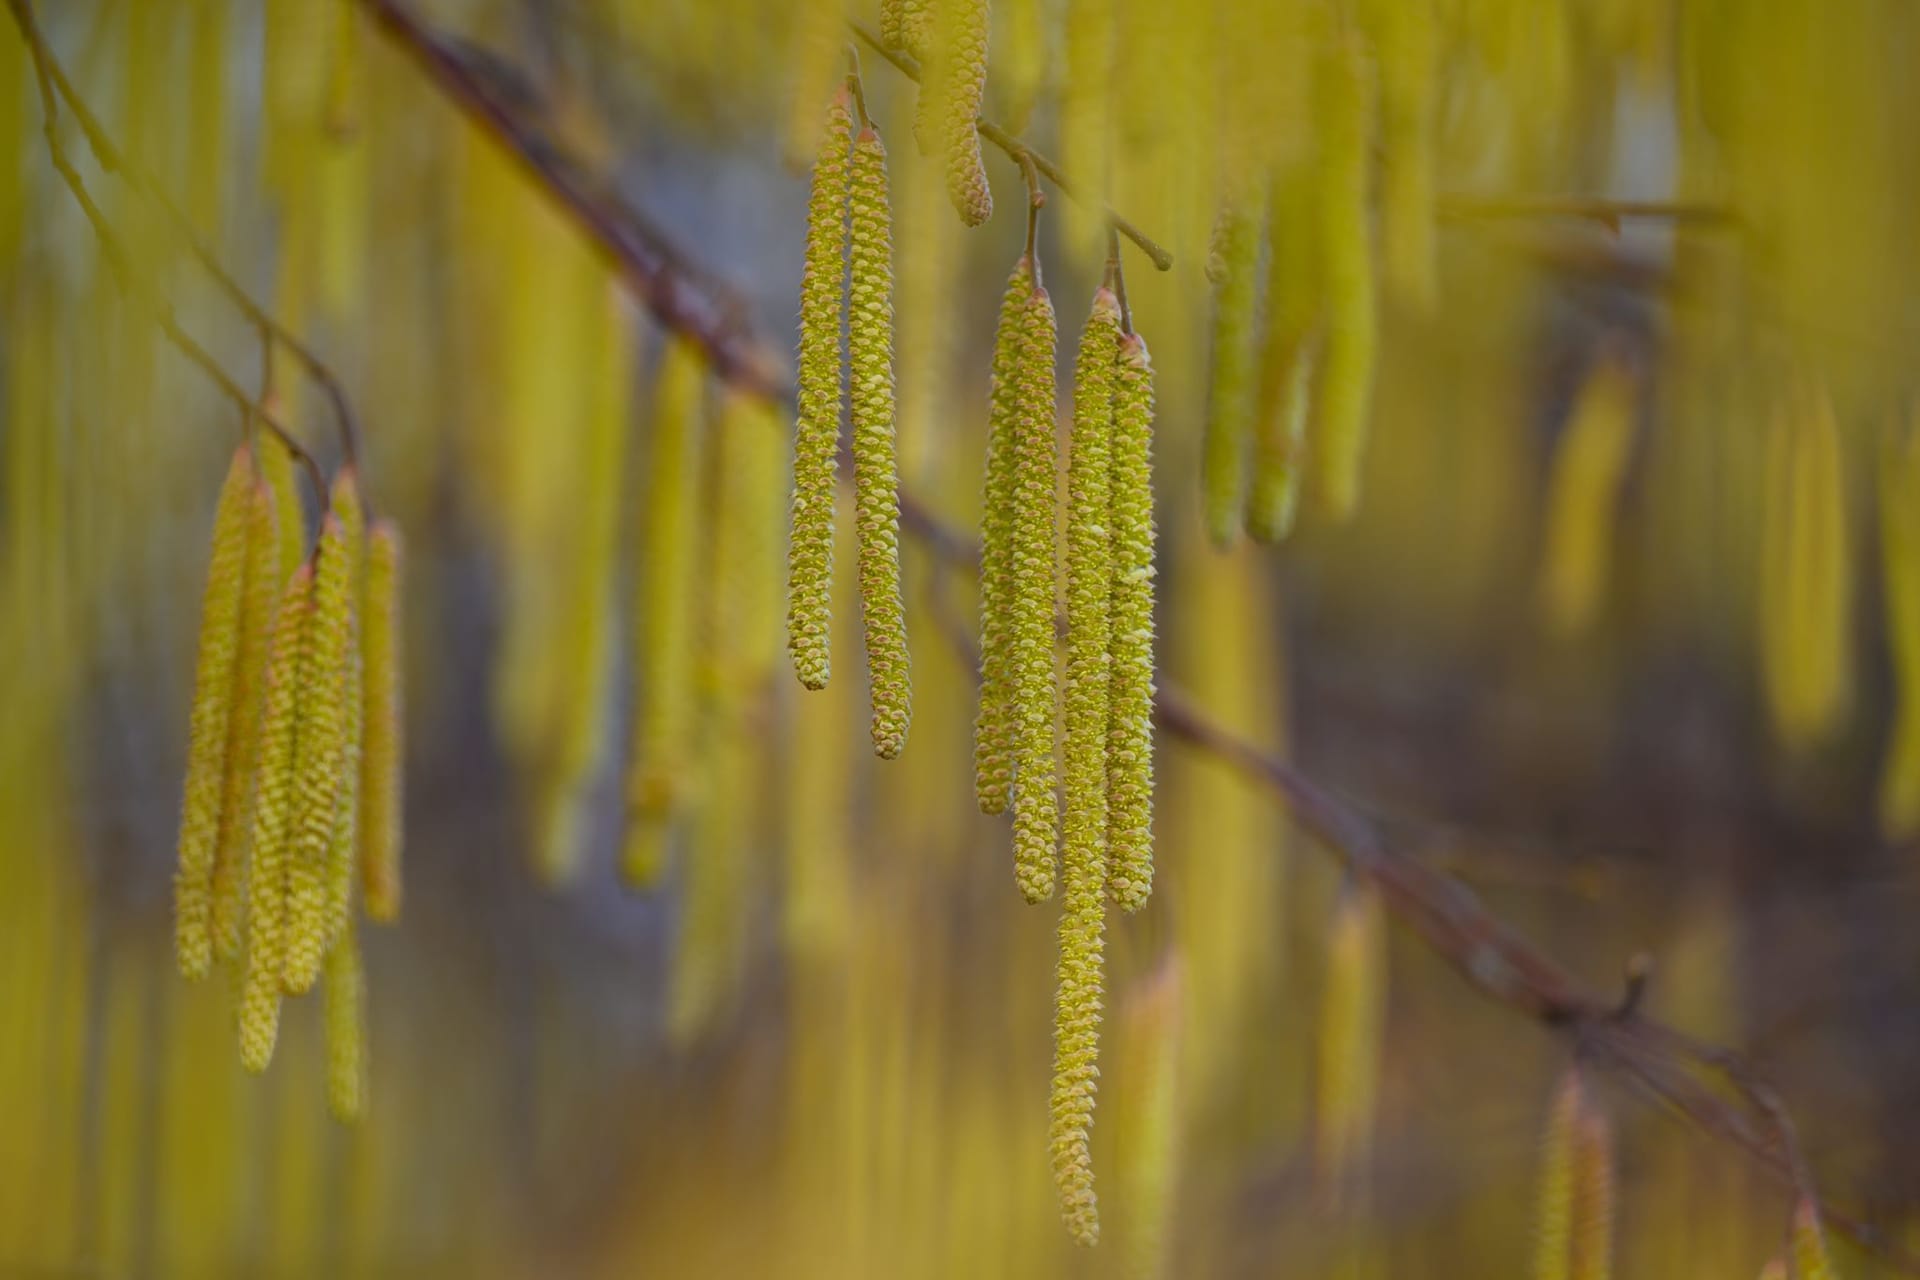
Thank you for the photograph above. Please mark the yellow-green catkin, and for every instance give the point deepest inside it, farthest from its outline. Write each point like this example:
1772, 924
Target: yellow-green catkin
1235, 257
964, 32
1899, 799
1346, 372
1287, 361
345, 993
1147, 1135
1806, 595
320, 753
1036, 814
817, 422
906, 25
1130, 725
1809, 1238
259, 603
1583, 496
875, 467
342, 860
1574, 1232
1084, 860
209, 732
1406, 40
276, 464
1553, 1220
1352, 1024
664, 616
382, 751
271, 824
819, 35
993, 726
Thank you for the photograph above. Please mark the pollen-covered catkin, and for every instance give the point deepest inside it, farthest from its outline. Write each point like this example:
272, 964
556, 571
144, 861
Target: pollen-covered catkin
1130, 723
993, 726
342, 861
906, 25
1036, 814
817, 422
964, 34
1084, 861
321, 750
1810, 1261
1236, 251
875, 467
382, 750
1346, 370
345, 984
271, 824
209, 736
258, 605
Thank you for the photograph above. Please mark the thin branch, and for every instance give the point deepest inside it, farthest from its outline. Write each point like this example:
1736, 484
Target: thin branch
115, 161
1486, 952
1609, 213
910, 68
120, 262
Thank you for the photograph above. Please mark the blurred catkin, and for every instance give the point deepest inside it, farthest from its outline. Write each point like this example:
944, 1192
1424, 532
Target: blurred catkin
1592, 1195
289, 508
209, 734
875, 465
817, 424
993, 727
960, 82
1036, 815
1086, 128
818, 57
1235, 258
1553, 1212
1583, 497
1806, 591
1406, 42
1810, 1261
1130, 729
382, 749
345, 993
272, 824
664, 614
1346, 371
342, 862
1352, 1026
1287, 359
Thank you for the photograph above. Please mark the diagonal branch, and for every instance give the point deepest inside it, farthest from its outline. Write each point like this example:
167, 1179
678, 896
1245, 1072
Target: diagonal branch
1492, 957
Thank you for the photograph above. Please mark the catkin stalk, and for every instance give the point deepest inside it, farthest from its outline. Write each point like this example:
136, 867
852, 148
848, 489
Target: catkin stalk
875, 467
1083, 922
382, 750
1036, 814
209, 733
1130, 725
271, 824
1346, 387
1236, 250
993, 726
817, 423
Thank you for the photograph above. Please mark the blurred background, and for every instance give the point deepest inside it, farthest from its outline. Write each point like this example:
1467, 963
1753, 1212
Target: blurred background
1617, 635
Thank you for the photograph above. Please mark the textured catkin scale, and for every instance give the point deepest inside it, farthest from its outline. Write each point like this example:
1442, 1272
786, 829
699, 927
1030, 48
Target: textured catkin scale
1809, 1238
258, 605
1287, 360
289, 510
209, 733
1130, 726
817, 422
1553, 1221
964, 31
993, 726
664, 615
1582, 498
319, 755
914, 26
1236, 250
271, 824
1346, 372
1083, 921
1352, 1022
1899, 796
382, 752
1036, 815
875, 469
345, 992
1592, 1236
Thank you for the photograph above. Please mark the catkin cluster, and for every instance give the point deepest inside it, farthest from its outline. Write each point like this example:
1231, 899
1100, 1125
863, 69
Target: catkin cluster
291, 798
849, 277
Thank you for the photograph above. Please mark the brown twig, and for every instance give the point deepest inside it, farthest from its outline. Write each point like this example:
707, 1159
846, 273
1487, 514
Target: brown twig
1608, 213
909, 67
131, 283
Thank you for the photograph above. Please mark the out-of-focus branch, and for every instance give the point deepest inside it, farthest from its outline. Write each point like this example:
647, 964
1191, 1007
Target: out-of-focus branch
53, 87
1710, 1086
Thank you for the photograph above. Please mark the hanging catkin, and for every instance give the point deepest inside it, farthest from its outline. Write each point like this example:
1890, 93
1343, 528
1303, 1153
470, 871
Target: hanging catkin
209, 734
1352, 1022
1294, 308
1083, 921
875, 469
1583, 495
817, 423
1130, 730
993, 727
1900, 562
259, 603
818, 32
382, 750
1806, 591
1574, 1230
345, 993
906, 25
276, 464
1810, 1261
271, 824
1236, 250
962, 78
664, 615
1406, 41
1036, 814
1346, 386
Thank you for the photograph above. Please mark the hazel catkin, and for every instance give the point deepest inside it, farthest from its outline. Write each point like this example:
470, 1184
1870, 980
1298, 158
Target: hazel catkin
209, 734
817, 423
345, 993
1030, 564
875, 467
382, 749
964, 28
1130, 723
1352, 1022
993, 726
1347, 352
1573, 1237
1236, 247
